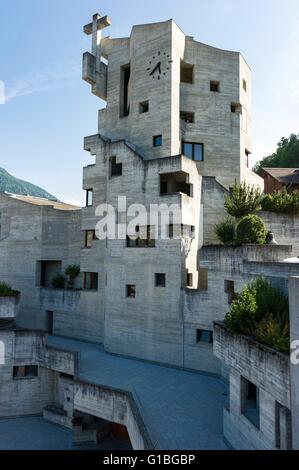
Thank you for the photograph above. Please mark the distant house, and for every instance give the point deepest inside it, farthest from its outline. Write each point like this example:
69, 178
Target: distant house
278, 178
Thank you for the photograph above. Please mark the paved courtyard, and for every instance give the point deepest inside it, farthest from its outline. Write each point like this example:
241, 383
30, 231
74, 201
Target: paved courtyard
32, 433
182, 410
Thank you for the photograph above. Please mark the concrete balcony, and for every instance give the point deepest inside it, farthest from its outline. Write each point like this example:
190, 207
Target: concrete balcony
9, 307
59, 299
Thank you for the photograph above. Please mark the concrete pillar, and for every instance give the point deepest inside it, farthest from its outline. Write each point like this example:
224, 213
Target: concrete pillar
294, 326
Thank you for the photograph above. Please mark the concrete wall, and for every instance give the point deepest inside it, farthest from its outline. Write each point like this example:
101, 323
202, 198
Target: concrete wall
285, 228
294, 326
266, 368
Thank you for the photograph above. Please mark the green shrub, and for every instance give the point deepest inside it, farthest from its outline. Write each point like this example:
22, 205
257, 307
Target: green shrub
262, 311
7, 291
282, 202
58, 281
226, 231
243, 200
72, 272
252, 229
242, 316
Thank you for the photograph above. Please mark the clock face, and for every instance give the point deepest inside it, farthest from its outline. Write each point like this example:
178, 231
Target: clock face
159, 65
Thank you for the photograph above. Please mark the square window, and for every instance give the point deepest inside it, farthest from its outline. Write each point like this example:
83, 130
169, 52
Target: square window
193, 150
22, 372
236, 108
214, 86
90, 281
157, 140
187, 73
160, 280
187, 116
89, 195
131, 291
144, 107
204, 336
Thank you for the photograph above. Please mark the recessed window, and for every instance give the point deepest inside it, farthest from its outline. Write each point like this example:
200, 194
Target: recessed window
145, 238
244, 85
229, 289
204, 336
89, 194
116, 169
215, 86
25, 372
90, 281
170, 231
236, 108
144, 107
157, 140
193, 231
187, 116
187, 72
160, 280
124, 90
189, 280
131, 291
193, 150
247, 155
90, 235
178, 182
250, 406
203, 279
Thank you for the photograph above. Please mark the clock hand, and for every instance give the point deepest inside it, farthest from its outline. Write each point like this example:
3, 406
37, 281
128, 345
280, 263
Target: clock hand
158, 66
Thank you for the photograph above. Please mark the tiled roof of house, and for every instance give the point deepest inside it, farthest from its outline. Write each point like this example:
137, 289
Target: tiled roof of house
284, 175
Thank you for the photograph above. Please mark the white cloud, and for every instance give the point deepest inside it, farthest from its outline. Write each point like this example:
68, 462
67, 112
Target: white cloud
42, 80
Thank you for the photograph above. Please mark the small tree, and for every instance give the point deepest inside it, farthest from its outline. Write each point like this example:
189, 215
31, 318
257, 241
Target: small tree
226, 231
243, 200
252, 229
7, 291
72, 272
58, 281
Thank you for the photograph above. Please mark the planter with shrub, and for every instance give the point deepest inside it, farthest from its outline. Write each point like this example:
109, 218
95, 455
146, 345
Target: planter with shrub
9, 301
261, 311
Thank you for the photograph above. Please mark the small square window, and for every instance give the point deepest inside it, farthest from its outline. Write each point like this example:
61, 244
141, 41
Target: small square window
214, 86
187, 116
244, 85
89, 195
186, 73
131, 291
236, 108
144, 107
157, 140
160, 280
204, 336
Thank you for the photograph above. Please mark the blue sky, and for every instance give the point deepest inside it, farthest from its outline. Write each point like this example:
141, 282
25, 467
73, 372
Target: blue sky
49, 109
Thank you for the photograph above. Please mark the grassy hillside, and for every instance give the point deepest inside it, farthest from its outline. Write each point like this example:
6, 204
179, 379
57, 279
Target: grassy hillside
14, 185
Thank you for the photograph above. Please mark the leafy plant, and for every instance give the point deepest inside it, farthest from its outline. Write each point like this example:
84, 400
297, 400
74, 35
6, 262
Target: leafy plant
72, 272
261, 311
252, 229
226, 231
7, 291
58, 281
243, 200
286, 155
282, 202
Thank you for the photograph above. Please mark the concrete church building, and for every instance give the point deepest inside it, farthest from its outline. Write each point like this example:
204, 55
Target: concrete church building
127, 355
